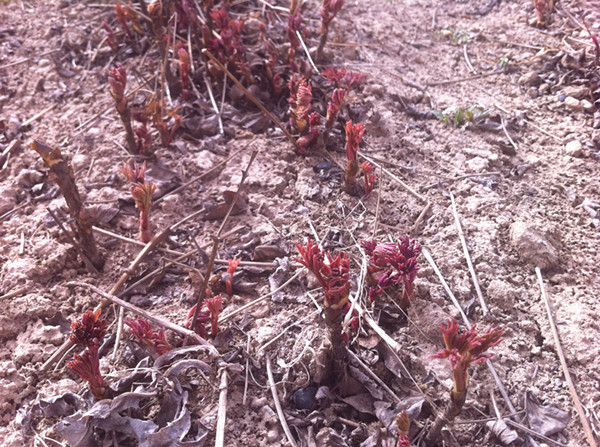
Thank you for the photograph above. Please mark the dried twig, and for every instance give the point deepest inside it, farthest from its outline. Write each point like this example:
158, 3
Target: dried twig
280, 414
468, 62
374, 376
27, 59
38, 115
446, 286
299, 36
563, 363
465, 79
222, 412
14, 293
474, 277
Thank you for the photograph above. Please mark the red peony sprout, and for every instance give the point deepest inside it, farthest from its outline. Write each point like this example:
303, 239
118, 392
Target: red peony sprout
329, 10
367, 169
333, 275
232, 265
142, 191
214, 306
333, 107
354, 133
184, 70
144, 334
117, 80
343, 79
300, 102
462, 349
87, 367
391, 264
402, 428
88, 330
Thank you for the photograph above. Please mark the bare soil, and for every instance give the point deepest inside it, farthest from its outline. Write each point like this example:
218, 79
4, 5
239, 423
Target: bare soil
524, 177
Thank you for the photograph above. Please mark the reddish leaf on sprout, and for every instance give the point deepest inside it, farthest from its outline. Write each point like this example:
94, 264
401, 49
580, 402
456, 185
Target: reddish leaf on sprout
465, 348
294, 24
354, 133
144, 139
144, 333
300, 102
142, 191
353, 79
89, 329
308, 140
369, 175
134, 173
155, 8
110, 36
184, 69
540, 9
334, 276
214, 306
220, 17
392, 263
232, 265
333, 107
329, 9
342, 78
121, 16
117, 80
202, 318
87, 367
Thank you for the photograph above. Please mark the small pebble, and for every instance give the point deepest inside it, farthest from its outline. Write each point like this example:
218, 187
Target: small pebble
574, 148
258, 402
272, 435
572, 104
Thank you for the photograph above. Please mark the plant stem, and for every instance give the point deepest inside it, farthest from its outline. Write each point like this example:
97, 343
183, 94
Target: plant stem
322, 42
129, 135
350, 176
453, 409
144, 227
62, 174
333, 321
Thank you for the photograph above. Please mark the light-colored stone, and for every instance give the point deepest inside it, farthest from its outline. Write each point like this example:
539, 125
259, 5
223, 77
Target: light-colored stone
501, 294
587, 106
170, 204
573, 104
477, 164
80, 161
576, 91
574, 148
532, 246
531, 78
374, 89
8, 199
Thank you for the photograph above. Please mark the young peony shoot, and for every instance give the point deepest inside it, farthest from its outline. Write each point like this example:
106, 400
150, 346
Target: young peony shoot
463, 348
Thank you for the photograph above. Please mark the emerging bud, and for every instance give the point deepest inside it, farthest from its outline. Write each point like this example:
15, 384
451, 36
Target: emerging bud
89, 330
